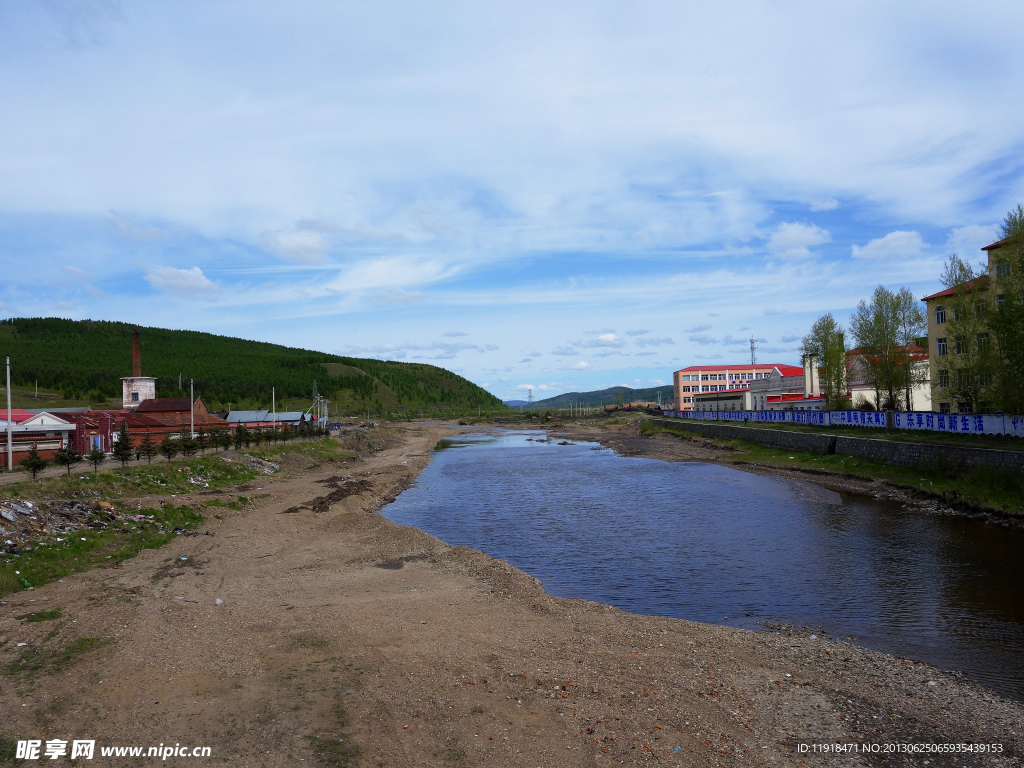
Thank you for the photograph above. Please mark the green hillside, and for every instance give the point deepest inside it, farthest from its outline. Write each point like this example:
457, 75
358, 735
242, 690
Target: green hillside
607, 397
85, 360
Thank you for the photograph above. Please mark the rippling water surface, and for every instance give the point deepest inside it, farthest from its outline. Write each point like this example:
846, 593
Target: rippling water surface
714, 544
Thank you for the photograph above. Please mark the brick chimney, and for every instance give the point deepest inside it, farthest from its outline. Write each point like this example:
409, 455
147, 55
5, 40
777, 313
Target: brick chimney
136, 355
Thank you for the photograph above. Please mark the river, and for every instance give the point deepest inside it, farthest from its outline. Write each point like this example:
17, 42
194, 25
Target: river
715, 544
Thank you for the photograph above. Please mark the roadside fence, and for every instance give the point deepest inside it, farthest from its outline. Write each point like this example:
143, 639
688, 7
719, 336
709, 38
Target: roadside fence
959, 423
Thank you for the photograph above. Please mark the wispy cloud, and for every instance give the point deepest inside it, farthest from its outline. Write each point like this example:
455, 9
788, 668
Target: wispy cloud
895, 245
184, 283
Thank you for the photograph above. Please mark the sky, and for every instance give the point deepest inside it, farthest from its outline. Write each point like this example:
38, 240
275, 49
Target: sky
548, 196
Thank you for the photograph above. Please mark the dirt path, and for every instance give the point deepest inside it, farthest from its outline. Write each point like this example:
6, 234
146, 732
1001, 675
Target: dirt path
345, 639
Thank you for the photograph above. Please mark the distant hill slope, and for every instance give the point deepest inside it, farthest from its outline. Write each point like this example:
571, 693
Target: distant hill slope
607, 397
88, 358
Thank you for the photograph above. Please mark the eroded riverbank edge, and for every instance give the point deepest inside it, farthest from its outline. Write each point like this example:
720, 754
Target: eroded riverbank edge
627, 440
342, 625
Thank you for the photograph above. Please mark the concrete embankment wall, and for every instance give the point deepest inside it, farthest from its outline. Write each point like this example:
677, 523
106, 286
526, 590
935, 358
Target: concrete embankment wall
896, 452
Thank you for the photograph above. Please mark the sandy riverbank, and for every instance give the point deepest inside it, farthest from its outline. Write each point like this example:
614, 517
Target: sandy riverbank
340, 631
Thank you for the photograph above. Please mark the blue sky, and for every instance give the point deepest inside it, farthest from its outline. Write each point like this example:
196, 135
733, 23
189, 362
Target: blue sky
558, 196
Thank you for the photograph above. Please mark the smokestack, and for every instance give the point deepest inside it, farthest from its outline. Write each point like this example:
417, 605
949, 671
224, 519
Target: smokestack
136, 355
815, 383
807, 375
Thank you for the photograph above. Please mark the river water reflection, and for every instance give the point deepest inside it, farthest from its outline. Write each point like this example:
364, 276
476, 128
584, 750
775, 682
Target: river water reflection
715, 544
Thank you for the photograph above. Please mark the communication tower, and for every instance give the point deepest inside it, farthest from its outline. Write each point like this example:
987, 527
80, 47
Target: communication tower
753, 350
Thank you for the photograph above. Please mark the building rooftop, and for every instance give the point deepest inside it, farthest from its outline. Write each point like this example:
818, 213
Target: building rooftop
982, 283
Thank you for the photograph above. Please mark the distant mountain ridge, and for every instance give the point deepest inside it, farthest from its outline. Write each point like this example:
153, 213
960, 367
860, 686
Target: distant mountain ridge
606, 397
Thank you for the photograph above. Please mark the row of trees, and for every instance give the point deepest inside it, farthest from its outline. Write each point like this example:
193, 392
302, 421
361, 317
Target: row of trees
983, 365
184, 444
885, 331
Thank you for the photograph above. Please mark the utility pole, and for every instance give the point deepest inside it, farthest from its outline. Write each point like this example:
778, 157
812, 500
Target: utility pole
273, 400
10, 446
191, 410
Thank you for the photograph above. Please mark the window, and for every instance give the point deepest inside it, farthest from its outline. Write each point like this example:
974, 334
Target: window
1002, 269
960, 345
982, 342
943, 379
960, 378
135, 397
963, 407
943, 407
687, 399
1000, 300
704, 377
980, 308
940, 347
984, 379
940, 314
721, 377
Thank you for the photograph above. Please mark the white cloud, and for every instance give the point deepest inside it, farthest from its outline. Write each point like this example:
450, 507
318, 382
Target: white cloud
526, 360
895, 245
185, 283
566, 350
654, 342
454, 334
606, 339
131, 229
771, 311
788, 339
827, 204
304, 246
703, 338
76, 272
393, 297
637, 332
793, 240
644, 354
656, 383
582, 366
968, 241
700, 328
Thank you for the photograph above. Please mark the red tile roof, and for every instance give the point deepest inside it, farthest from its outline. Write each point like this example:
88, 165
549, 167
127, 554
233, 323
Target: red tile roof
998, 244
969, 286
783, 369
17, 415
163, 404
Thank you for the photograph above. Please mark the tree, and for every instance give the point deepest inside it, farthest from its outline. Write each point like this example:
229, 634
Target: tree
123, 448
202, 439
187, 444
970, 359
1007, 319
912, 324
95, 457
33, 463
827, 342
148, 448
875, 329
242, 436
67, 457
169, 447
224, 438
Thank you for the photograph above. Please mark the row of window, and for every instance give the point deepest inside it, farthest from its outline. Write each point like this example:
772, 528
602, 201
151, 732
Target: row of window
706, 388
980, 310
960, 346
723, 377
982, 379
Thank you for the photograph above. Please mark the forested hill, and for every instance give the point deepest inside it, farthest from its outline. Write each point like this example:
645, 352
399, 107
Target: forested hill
86, 360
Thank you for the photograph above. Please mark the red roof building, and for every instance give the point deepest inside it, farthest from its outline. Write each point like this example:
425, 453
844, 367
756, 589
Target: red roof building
687, 382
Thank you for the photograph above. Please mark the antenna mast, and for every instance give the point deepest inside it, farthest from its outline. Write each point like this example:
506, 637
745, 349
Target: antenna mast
753, 350
529, 398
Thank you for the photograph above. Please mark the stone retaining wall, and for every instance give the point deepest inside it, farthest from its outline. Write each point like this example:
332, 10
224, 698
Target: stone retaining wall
897, 452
